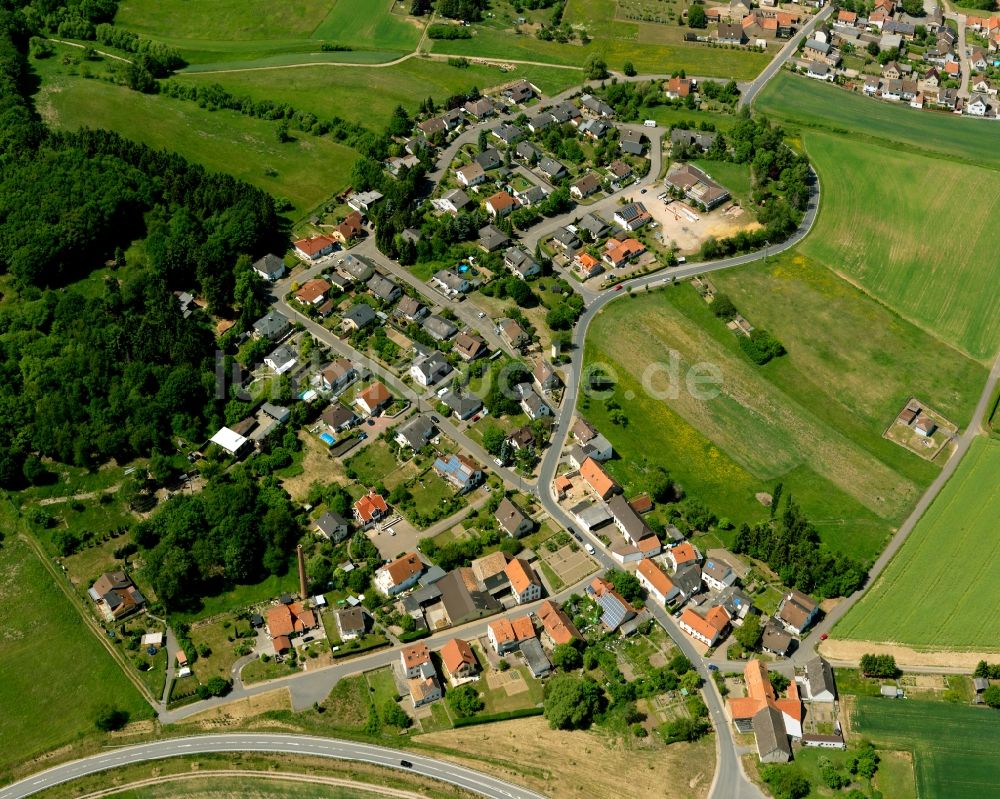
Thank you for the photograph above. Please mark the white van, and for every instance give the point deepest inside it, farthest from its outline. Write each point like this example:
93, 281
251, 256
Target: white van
589, 548
650, 123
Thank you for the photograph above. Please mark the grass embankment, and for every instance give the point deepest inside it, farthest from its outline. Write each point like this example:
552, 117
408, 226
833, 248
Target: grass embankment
957, 535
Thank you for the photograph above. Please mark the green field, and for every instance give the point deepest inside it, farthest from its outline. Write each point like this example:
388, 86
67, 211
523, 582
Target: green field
954, 746
369, 95
957, 535
306, 171
921, 234
231, 30
810, 103
812, 419
51, 664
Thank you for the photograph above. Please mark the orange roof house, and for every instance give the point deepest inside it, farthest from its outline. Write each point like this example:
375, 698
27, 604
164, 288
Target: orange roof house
523, 628
500, 204
458, 659
371, 507
562, 485
679, 87
556, 625
314, 246
290, 619
707, 629
761, 695
312, 291
373, 397
597, 478
683, 553
524, 583
350, 228
400, 574
618, 253
655, 580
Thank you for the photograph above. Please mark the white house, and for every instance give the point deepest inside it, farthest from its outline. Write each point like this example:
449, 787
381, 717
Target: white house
524, 583
977, 106
655, 581
717, 574
416, 661
427, 370
396, 577
281, 360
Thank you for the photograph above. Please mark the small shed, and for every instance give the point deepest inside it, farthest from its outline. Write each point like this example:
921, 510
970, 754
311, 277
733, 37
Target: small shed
980, 684
892, 691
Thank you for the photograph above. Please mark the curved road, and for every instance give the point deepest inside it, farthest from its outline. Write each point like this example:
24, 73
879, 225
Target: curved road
269, 743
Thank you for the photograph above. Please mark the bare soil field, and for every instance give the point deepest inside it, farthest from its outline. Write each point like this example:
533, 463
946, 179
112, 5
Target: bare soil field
851, 651
688, 233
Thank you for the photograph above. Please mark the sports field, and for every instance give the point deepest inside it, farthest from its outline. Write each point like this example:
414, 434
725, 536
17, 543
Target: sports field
369, 95
812, 419
950, 560
921, 234
811, 103
306, 171
233, 30
954, 746
55, 673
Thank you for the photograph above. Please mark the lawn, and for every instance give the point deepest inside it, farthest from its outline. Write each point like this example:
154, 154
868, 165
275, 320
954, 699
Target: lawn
329, 91
879, 226
50, 662
372, 464
735, 177
306, 170
773, 423
383, 685
813, 104
958, 534
954, 746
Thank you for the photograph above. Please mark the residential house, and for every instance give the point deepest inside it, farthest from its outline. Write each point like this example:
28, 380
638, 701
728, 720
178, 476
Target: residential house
618, 254
730, 33
776, 640
697, 186
632, 216
615, 610
545, 376
464, 406
459, 661
417, 145
313, 292
350, 623
519, 92
338, 418
596, 106
512, 520
470, 175
682, 554
506, 635
540, 122
332, 526
680, 87
116, 596
439, 328
513, 334
272, 327
500, 204
585, 186
520, 263
521, 438
395, 165
469, 346
709, 629
462, 599
595, 226
374, 398
490, 572
891, 71
451, 283
397, 576
619, 170
462, 472
797, 612
977, 107
769, 734
557, 628
415, 660
717, 574
551, 169
524, 583
632, 142
819, 682
565, 112
586, 265
359, 317
819, 71
508, 134
527, 151
489, 159
416, 433
531, 196
363, 201
821, 51
356, 269
627, 520
687, 579
230, 442
281, 360
429, 369
424, 690
314, 247
534, 406
772, 720
287, 620
370, 509
270, 267
566, 240
480, 109
657, 584
600, 483
491, 238
349, 229
384, 289
452, 202
337, 375
594, 128
410, 309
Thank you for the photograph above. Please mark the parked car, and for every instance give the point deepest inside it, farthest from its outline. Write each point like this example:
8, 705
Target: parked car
712, 667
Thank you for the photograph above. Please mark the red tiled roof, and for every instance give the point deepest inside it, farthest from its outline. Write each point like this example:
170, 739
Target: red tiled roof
457, 653
557, 624
314, 244
520, 575
596, 477
368, 504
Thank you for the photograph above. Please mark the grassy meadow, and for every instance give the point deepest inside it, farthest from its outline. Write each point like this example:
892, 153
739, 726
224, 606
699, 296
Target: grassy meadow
306, 171
812, 419
808, 103
920, 234
49, 660
954, 746
208, 787
957, 535
369, 95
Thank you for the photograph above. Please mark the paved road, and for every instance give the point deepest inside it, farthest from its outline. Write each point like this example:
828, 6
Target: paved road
268, 743
753, 89
963, 54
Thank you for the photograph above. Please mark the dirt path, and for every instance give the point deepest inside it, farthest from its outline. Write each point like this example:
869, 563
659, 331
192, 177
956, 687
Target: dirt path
79, 497
337, 782
953, 661
99, 52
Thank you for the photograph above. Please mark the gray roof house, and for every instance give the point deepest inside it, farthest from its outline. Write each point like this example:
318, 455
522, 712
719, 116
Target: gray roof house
551, 168
535, 657
333, 526
594, 225
508, 133
527, 151
355, 268
429, 369
270, 267
631, 142
415, 433
535, 406
272, 327
384, 289
627, 520
512, 519
769, 731
464, 406
491, 238
360, 316
596, 106
520, 263
489, 158
439, 328
819, 682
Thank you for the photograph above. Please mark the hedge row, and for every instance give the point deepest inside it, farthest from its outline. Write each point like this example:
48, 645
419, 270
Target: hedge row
505, 716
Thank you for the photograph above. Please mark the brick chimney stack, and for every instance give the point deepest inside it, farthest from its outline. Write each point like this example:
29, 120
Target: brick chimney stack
302, 571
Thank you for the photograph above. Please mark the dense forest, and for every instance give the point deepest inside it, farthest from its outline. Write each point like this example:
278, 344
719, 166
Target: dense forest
91, 372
